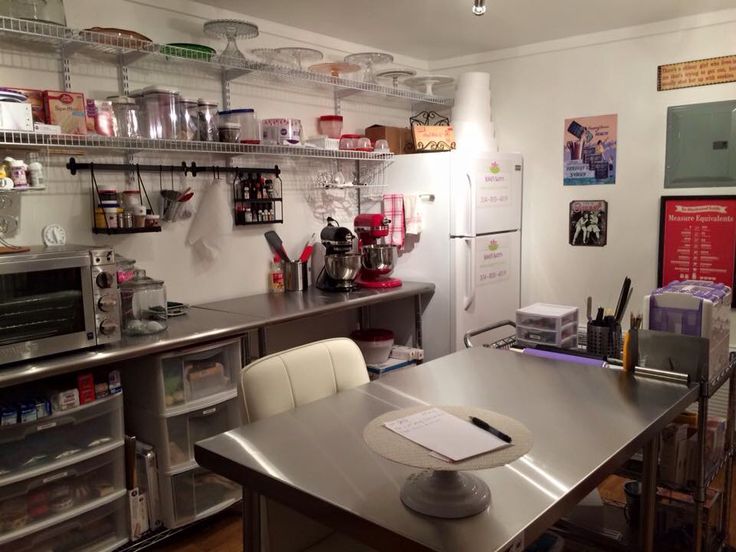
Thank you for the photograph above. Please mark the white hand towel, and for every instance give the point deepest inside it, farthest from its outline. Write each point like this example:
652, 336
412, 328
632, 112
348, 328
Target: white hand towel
413, 214
212, 221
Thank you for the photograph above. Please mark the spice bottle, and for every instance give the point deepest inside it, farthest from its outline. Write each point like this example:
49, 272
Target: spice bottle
276, 277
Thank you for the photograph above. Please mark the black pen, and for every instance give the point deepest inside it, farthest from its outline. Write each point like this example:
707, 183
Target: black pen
490, 429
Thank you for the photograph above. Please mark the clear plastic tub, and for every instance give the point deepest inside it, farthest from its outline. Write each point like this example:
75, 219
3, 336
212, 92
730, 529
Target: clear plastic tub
127, 122
250, 129
547, 337
160, 105
570, 343
544, 316
330, 126
193, 495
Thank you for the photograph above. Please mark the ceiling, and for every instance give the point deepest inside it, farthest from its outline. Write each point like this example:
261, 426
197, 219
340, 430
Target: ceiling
439, 29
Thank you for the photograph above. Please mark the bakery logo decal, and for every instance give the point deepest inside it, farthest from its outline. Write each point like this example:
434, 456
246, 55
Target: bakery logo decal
495, 175
495, 169
493, 248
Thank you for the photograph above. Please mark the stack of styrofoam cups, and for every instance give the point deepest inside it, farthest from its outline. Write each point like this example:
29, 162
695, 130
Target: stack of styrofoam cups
471, 115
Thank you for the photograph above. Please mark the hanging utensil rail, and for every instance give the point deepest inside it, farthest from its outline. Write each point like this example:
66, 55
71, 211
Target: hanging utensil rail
191, 169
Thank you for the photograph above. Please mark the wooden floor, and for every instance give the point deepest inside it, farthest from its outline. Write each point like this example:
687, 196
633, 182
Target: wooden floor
224, 534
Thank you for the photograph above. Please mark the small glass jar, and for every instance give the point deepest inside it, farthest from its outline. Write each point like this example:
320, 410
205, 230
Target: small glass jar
127, 120
19, 173
188, 119
207, 121
143, 301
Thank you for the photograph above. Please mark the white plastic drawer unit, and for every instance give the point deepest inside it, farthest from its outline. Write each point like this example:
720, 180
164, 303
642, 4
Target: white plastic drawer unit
185, 380
35, 504
101, 530
59, 440
174, 436
195, 494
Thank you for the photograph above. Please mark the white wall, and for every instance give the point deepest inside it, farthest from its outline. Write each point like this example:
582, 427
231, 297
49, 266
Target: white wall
244, 262
535, 88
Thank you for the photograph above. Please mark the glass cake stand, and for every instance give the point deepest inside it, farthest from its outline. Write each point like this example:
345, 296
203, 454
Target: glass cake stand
395, 75
231, 29
299, 56
368, 60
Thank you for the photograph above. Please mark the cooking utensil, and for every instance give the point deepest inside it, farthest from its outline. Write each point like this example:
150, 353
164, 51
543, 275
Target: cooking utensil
308, 248
343, 266
589, 308
622, 299
277, 245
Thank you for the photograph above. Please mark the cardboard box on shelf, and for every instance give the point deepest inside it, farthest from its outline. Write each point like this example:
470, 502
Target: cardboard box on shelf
399, 139
673, 453
66, 109
16, 116
35, 98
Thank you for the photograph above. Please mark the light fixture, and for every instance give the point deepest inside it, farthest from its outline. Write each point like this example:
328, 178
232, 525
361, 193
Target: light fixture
479, 7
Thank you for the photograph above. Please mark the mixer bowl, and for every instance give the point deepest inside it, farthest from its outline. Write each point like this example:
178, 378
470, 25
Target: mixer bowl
342, 267
378, 260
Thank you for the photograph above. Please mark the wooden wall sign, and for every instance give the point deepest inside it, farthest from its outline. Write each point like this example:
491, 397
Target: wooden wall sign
701, 72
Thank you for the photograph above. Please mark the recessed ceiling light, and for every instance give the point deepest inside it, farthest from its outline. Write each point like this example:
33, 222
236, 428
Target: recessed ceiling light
479, 7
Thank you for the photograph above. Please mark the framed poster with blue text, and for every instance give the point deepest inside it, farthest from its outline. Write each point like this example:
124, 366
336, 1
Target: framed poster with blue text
590, 150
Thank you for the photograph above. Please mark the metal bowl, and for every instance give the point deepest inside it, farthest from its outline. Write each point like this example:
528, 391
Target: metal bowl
379, 260
342, 267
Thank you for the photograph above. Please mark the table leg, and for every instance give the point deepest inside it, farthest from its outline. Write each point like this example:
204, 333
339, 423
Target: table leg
262, 342
251, 521
418, 321
649, 494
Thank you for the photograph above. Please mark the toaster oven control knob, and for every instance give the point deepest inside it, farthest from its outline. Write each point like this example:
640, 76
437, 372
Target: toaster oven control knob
107, 303
105, 280
108, 327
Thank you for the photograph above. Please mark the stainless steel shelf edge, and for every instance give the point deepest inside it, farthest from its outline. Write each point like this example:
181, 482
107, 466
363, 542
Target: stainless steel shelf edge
75, 42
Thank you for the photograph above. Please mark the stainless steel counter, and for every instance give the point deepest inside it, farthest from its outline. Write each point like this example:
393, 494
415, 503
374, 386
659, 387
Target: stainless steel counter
586, 421
276, 308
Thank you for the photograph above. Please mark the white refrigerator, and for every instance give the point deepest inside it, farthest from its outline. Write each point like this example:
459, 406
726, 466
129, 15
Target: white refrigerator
470, 246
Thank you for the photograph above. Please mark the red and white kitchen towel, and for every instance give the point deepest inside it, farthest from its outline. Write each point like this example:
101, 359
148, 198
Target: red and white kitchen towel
403, 211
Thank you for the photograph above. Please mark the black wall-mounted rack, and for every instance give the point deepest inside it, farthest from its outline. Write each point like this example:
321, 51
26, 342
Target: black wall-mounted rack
191, 169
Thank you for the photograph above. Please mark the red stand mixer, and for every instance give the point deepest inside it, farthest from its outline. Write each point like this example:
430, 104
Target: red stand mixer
377, 258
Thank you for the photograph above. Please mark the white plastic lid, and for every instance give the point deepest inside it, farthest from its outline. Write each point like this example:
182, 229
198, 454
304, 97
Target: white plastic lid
546, 309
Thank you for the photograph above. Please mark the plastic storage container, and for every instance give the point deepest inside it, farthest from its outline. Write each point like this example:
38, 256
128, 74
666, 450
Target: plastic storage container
194, 494
160, 105
330, 125
34, 504
188, 119
250, 130
103, 529
61, 439
544, 316
549, 337
174, 436
375, 344
174, 383
207, 120
281, 131
127, 117
43, 11
143, 301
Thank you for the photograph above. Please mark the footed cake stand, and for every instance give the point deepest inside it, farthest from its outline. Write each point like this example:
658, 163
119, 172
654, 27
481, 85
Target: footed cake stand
426, 83
231, 29
368, 60
445, 489
395, 75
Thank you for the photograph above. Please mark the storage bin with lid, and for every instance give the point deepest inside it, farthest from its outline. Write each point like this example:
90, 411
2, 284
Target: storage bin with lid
33, 504
544, 336
143, 301
250, 130
174, 436
102, 529
43, 11
160, 105
188, 113
193, 495
330, 125
127, 117
546, 316
179, 381
53, 442
207, 120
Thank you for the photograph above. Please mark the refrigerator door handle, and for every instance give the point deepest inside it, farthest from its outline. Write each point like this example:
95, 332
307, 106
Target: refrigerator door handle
469, 295
470, 207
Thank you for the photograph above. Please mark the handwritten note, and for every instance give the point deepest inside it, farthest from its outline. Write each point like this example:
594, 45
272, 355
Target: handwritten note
445, 434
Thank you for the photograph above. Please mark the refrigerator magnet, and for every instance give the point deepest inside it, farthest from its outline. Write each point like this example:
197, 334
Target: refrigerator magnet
588, 223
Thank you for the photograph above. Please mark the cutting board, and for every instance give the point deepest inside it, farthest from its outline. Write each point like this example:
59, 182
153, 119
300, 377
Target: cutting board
9, 250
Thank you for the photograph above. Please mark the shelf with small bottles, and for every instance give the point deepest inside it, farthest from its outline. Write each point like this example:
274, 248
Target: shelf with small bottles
257, 198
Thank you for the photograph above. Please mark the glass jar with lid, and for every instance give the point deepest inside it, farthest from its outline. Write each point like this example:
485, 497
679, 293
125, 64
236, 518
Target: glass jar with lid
188, 119
207, 121
143, 300
160, 105
43, 11
127, 117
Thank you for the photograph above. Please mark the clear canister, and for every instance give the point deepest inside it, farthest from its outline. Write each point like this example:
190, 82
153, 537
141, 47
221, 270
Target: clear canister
250, 128
188, 119
160, 105
143, 301
207, 121
127, 117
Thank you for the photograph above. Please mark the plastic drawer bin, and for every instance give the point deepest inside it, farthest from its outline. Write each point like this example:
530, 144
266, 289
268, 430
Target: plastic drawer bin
194, 494
173, 437
177, 382
543, 316
34, 504
37, 447
569, 343
547, 337
101, 530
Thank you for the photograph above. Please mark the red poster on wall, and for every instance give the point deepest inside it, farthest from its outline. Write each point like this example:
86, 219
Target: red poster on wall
697, 239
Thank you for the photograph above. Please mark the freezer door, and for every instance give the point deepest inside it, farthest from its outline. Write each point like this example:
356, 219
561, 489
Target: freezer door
486, 283
486, 193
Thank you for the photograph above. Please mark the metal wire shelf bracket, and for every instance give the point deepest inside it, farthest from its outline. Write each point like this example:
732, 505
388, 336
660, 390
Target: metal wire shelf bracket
67, 141
82, 42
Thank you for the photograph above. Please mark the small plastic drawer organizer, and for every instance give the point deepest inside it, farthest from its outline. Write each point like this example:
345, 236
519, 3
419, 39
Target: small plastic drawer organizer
561, 338
37, 503
174, 436
101, 530
33, 448
195, 494
543, 316
182, 381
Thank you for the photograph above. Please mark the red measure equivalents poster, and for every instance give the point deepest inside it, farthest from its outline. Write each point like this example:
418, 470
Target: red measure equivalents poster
698, 239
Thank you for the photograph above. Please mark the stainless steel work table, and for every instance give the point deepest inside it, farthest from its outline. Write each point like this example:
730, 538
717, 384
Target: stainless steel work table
277, 308
586, 422
197, 326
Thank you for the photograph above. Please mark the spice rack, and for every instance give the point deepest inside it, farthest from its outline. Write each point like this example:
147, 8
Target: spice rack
257, 199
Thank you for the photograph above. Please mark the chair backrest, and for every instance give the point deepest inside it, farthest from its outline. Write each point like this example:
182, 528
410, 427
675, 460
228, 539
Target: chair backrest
282, 381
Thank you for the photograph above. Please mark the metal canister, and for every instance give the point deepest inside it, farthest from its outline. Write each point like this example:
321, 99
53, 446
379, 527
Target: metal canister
295, 276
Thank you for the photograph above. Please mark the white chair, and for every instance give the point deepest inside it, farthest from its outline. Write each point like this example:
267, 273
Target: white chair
282, 381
